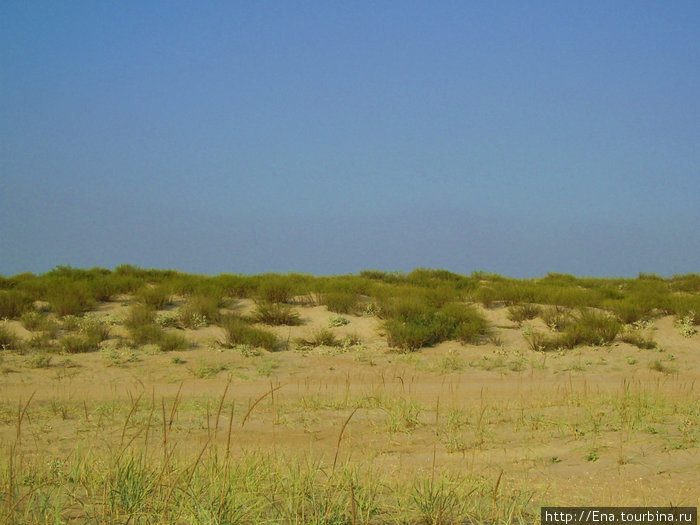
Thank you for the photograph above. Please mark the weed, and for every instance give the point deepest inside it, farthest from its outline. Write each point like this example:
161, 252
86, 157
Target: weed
170, 341
276, 314
659, 366
266, 366
238, 332
637, 338
437, 502
275, 289
522, 312
206, 370
452, 362
686, 325
199, 311
39, 361
155, 296
337, 320
322, 337
79, 344
13, 304
341, 302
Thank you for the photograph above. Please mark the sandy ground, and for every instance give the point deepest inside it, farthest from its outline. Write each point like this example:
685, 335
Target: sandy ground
589, 426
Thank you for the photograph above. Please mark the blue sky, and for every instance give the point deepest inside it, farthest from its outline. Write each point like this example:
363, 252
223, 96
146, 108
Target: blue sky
330, 137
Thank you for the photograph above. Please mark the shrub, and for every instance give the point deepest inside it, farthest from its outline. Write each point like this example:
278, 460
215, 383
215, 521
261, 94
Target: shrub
238, 332
70, 298
522, 312
41, 341
139, 315
537, 341
170, 341
414, 324
276, 314
408, 336
201, 307
590, 328
341, 302
638, 339
629, 310
324, 337
555, 317
13, 304
146, 334
155, 296
36, 321
78, 344
94, 329
275, 289
8, 339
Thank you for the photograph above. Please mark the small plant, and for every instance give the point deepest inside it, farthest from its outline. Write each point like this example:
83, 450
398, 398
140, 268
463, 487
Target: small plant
206, 370
592, 456
659, 366
638, 339
337, 320
324, 337
686, 325
452, 362
39, 361
248, 350
167, 320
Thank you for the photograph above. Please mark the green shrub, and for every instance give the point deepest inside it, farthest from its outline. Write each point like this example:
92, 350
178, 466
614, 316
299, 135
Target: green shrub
638, 339
324, 337
407, 336
276, 314
341, 302
155, 296
36, 321
70, 298
629, 310
522, 312
170, 341
537, 341
39, 361
41, 341
589, 328
94, 329
275, 289
79, 344
555, 317
238, 332
139, 315
415, 324
8, 339
146, 334
13, 304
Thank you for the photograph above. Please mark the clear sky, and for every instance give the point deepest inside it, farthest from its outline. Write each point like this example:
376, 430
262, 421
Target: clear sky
329, 137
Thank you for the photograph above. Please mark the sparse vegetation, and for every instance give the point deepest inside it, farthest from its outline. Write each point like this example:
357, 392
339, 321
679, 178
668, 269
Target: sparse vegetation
239, 332
352, 432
